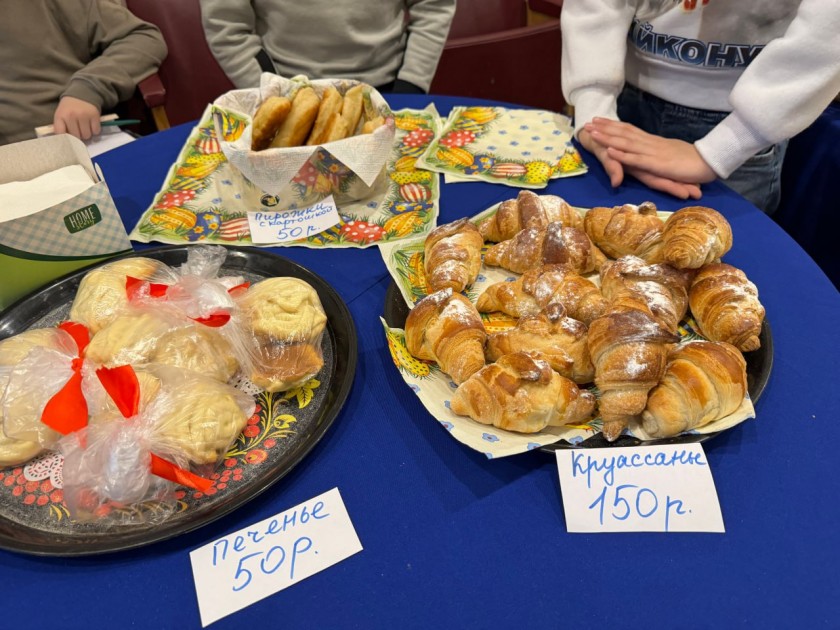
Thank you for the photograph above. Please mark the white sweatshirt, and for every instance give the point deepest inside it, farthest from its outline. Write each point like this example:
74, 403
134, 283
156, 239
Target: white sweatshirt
370, 40
774, 64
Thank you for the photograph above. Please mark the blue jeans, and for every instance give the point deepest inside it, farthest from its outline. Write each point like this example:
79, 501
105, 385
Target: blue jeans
758, 179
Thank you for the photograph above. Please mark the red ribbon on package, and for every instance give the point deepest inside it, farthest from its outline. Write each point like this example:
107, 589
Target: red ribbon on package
124, 389
168, 470
135, 288
67, 410
239, 287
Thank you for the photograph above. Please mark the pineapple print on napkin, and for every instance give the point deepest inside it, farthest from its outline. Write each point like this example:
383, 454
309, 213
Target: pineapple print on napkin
518, 147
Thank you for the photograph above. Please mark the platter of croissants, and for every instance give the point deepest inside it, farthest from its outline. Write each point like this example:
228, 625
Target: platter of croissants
158, 391
620, 320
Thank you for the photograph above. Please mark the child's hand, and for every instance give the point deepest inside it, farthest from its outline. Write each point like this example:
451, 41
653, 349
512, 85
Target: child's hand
647, 153
613, 168
76, 117
616, 169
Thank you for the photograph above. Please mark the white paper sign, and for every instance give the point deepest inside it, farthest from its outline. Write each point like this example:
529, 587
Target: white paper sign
666, 488
257, 561
291, 225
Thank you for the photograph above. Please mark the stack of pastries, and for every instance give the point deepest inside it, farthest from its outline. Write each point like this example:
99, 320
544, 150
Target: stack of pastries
307, 119
599, 301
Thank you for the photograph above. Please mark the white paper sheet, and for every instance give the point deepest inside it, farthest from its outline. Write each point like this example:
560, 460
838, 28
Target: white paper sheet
20, 199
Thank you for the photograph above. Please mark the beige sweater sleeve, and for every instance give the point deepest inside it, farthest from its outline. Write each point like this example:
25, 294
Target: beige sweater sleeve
124, 49
428, 26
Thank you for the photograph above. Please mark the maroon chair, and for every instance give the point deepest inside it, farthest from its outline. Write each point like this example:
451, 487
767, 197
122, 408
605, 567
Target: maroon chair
190, 75
545, 7
517, 65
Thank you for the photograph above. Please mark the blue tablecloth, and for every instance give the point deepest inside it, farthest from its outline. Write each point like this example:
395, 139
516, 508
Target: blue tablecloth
452, 539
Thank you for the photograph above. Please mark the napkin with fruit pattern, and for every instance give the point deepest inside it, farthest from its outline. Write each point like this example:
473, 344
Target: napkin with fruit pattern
524, 148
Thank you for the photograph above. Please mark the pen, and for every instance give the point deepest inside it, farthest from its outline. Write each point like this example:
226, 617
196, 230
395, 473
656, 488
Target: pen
119, 122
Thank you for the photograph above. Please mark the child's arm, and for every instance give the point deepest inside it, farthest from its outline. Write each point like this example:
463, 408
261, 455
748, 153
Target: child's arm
782, 91
124, 50
230, 29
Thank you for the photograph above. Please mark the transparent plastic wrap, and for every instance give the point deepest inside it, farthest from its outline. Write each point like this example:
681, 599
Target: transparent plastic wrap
41, 370
287, 321
13, 350
164, 426
188, 323
107, 475
196, 415
197, 290
161, 334
102, 294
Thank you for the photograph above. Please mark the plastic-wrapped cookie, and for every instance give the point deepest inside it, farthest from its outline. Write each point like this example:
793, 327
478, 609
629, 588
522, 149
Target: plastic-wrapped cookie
197, 416
102, 295
20, 405
283, 366
285, 309
157, 336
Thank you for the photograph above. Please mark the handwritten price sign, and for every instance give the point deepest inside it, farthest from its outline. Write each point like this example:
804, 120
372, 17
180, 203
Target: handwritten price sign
667, 488
257, 561
291, 225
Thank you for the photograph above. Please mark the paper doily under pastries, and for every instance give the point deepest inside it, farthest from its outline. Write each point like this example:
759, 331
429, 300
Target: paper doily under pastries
630, 307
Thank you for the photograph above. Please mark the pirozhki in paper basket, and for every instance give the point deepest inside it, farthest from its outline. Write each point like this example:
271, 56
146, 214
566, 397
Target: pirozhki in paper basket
299, 126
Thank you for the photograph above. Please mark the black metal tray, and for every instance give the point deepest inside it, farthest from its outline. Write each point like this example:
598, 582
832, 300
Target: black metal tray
263, 454
759, 365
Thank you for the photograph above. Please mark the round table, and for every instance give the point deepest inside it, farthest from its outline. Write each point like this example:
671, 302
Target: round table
452, 539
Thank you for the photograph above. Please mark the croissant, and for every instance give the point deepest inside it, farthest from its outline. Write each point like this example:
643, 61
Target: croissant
536, 289
520, 392
453, 255
528, 210
661, 287
626, 229
695, 236
703, 382
629, 351
445, 327
554, 244
559, 339
725, 306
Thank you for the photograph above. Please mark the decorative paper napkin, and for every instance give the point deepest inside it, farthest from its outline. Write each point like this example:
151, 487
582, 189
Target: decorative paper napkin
518, 147
205, 199
434, 388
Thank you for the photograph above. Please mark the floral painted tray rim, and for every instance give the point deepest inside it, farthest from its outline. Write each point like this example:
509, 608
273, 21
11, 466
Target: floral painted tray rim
268, 449
205, 199
404, 262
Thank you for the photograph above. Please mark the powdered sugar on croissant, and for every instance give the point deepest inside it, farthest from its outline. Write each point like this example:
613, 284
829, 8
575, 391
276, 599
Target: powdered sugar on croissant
703, 382
554, 244
725, 306
629, 351
661, 287
445, 327
527, 211
520, 392
627, 229
559, 339
452, 255
540, 287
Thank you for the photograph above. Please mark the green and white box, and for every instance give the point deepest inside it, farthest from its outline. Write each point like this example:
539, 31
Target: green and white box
56, 214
